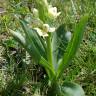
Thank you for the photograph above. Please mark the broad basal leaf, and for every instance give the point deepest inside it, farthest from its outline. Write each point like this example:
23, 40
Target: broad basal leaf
30, 49
71, 89
34, 39
59, 44
73, 44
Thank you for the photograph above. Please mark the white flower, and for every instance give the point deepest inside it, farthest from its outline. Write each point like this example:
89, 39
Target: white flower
68, 35
53, 11
52, 29
40, 32
35, 12
47, 28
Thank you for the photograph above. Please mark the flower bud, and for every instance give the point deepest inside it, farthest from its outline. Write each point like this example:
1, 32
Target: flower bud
45, 2
68, 35
35, 12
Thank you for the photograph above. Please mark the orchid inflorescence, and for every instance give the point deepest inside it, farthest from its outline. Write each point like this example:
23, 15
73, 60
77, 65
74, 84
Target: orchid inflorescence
52, 12
55, 50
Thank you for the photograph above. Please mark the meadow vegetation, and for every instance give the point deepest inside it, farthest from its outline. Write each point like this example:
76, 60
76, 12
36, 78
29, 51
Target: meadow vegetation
21, 75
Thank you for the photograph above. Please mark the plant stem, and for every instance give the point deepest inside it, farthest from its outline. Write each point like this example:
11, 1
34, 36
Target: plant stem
49, 51
54, 89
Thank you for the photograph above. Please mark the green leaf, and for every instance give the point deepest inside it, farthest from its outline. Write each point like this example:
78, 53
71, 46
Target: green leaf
29, 48
19, 37
25, 42
66, 89
34, 40
59, 44
71, 89
34, 45
47, 67
73, 45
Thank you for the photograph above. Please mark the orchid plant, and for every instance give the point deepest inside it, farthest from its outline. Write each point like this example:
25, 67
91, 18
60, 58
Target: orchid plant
46, 45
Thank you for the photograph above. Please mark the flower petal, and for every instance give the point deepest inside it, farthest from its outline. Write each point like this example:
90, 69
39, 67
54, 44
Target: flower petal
52, 29
46, 27
53, 11
39, 31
